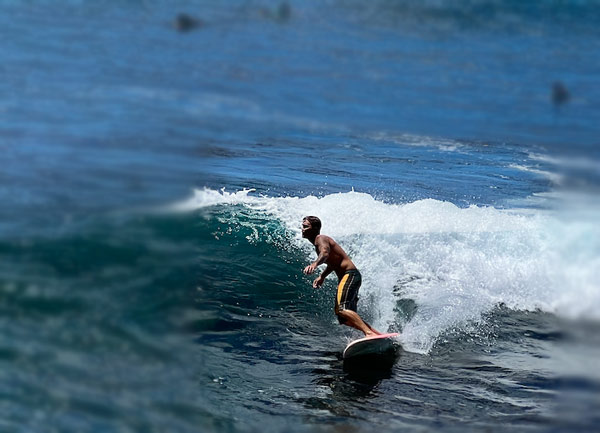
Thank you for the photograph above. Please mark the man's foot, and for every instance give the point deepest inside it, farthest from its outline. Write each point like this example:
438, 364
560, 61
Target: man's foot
373, 333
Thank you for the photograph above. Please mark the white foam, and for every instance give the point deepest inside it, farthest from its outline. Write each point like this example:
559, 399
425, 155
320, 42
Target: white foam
209, 197
571, 162
455, 263
443, 144
555, 178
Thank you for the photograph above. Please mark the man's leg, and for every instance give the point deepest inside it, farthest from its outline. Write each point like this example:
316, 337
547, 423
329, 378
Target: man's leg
350, 318
346, 300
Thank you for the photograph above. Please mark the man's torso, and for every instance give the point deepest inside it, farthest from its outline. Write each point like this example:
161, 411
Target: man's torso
338, 259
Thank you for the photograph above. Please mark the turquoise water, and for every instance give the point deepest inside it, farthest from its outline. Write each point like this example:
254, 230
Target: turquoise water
154, 182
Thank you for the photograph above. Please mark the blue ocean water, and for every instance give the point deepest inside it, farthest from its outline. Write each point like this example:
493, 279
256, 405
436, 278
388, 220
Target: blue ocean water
156, 168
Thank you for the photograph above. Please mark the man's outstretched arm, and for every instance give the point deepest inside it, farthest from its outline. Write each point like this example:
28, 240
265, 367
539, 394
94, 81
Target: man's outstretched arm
324, 250
319, 281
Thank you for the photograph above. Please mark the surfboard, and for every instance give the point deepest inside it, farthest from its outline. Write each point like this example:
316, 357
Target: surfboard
369, 347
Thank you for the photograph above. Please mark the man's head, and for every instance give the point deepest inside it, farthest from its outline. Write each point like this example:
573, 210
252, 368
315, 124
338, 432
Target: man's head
311, 226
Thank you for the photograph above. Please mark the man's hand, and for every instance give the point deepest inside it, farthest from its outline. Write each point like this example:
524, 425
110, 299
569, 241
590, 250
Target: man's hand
310, 269
318, 282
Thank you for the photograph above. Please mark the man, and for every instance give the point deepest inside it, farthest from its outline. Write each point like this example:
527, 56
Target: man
349, 278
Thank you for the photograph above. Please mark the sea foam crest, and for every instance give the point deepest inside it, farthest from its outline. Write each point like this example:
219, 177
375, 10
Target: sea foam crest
455, 263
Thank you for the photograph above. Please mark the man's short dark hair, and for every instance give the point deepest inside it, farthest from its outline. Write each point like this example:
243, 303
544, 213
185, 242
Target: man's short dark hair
315, 222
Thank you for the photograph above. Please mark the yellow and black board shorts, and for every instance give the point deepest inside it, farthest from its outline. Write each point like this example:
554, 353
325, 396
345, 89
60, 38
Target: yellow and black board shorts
347, 291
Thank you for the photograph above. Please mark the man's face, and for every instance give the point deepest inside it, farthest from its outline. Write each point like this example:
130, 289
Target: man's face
306, 228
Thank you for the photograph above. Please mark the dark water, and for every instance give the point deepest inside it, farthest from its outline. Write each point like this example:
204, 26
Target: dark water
154, 179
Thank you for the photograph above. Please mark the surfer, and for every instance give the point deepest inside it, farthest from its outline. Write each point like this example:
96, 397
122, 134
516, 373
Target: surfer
337, 260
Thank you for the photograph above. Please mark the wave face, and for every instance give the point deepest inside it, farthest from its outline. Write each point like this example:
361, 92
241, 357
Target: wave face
430, 267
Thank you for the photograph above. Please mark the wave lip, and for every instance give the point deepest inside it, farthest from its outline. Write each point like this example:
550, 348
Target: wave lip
203, 198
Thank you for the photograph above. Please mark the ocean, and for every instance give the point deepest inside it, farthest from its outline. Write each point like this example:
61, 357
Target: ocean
158, 158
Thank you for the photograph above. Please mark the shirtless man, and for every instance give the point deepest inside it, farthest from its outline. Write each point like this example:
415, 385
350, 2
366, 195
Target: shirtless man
349, 278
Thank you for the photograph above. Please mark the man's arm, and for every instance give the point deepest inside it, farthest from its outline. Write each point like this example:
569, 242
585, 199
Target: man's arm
319, 281
324, 251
